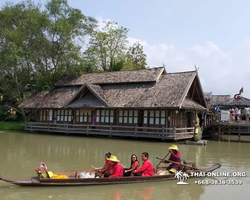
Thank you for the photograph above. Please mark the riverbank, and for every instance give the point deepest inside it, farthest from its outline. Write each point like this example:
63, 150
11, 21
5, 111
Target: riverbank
9, 126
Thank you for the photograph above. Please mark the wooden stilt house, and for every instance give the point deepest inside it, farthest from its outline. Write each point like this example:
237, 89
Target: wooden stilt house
144, 101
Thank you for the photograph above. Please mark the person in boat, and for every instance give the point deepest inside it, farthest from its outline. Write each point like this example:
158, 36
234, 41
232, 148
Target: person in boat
116, 168
134, 165
147, 168
175, 157
105, 170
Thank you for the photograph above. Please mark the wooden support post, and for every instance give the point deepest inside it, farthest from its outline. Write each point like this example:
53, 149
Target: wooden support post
239, 133
162, 136
87, 129
219, 134
110, 131
135, 131
174, 133
67, 126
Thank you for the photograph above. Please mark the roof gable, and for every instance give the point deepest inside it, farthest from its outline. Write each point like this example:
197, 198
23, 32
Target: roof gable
194, 91
90, 96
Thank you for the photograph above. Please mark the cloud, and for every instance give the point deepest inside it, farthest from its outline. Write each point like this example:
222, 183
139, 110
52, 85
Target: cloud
220, 72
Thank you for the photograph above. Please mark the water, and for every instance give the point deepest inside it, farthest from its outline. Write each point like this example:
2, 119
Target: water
21, 153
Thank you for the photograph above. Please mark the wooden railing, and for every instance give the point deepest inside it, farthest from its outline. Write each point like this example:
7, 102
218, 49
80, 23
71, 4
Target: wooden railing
113, 130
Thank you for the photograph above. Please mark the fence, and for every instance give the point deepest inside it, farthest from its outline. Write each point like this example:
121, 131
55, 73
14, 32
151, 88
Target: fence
113, 130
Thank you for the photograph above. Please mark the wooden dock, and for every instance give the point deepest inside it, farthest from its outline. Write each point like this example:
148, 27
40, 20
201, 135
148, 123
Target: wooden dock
113, 131
230, 131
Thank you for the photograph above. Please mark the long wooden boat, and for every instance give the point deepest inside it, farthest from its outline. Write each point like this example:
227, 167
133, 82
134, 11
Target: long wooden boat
74, 180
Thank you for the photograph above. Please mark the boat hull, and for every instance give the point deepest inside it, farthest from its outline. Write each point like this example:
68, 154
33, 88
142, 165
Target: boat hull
72, 181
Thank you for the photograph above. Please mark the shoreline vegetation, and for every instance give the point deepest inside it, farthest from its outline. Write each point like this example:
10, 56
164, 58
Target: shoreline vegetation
11, 126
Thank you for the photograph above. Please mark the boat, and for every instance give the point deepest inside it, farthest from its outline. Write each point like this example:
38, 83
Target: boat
73, 178
199, 142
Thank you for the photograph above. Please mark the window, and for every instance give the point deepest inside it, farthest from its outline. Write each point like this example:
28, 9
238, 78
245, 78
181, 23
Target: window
62, 115
67, 115
157, 117
151, 115
163, 117
85, 117
130, 120
111, 116
77, 115
107, 116
102, 115
50, 115
145, 121
120, 116
98, 116
125, 118
128, 116
58, 115
136, 116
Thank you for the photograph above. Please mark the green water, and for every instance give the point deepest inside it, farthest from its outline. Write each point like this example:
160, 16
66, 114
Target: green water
21, 153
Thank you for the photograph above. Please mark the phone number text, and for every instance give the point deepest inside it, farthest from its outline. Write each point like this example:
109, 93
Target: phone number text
218, 182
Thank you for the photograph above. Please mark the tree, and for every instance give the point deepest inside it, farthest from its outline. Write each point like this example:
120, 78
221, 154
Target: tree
38, 47
136, 58
107, 47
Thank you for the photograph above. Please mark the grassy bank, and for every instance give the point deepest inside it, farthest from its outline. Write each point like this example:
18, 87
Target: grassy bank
4, 126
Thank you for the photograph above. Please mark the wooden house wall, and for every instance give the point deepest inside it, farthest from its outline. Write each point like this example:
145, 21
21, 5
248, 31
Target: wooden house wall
122, 117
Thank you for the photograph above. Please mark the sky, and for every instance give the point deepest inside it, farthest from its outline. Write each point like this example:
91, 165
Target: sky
213, 35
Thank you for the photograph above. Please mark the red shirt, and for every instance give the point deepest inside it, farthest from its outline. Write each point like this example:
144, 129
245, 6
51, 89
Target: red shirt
117, 171
107, 163
136, 163
175, 157
147, 168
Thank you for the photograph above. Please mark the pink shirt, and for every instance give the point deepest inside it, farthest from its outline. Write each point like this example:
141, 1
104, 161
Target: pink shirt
175, 157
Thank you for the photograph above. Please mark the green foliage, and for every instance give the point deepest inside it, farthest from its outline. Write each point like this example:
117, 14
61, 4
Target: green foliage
136, 59
40, 45
11, 126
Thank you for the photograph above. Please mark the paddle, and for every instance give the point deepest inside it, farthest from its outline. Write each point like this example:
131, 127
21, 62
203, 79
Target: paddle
179, 164
163, 159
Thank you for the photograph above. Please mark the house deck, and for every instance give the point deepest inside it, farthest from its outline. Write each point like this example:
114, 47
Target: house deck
112, 130
230, 131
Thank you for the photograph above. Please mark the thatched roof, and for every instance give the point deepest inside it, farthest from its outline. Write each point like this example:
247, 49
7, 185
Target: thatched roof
243, 102
208, 96
130, 76
217, 100
159, 90
55, 98
191, 104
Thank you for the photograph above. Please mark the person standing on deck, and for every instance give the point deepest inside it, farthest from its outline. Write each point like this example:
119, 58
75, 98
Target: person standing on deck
147, 168
238, 113
116, 167
175, 157
247, 113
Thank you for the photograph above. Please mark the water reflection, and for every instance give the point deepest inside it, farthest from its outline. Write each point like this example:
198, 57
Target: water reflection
146, 193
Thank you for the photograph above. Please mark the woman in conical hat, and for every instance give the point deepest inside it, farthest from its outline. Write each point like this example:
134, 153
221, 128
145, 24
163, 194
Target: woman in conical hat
175, 157
116, 168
